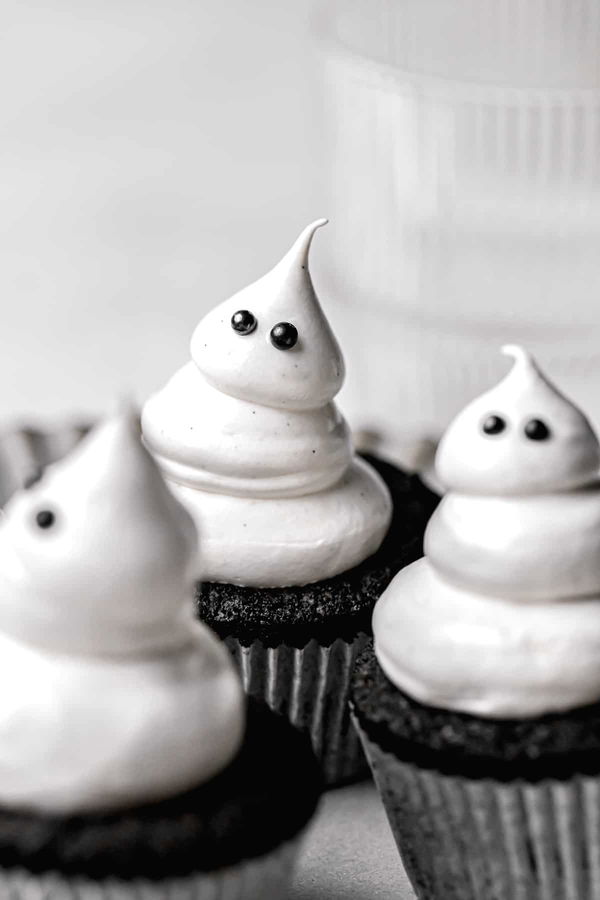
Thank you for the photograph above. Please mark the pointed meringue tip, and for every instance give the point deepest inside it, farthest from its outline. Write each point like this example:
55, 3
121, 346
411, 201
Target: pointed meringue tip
524, 361
123, 419
127, 410
521, 356
517, 352
302, 243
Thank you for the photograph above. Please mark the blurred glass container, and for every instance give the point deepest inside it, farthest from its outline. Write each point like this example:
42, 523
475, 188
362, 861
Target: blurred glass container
465, 199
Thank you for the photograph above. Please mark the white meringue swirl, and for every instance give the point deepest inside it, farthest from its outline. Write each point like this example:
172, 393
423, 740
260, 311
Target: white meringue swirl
507, 464
113, 694
464, 651
213, 442
256, 425
502, 617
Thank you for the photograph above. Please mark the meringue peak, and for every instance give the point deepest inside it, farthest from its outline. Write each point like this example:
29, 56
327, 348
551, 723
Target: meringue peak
284, 353
520, 354
521, 437
523, 360
93, 557
297, 255
525, 373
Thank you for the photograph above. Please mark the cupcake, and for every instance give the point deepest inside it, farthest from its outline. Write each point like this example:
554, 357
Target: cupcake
479, 707
130, 764
298, 534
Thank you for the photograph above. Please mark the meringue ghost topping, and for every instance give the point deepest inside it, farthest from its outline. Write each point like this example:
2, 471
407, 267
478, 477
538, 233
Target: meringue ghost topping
95, 553
247, 366
113, 693
502, 616
521, 437
250, 440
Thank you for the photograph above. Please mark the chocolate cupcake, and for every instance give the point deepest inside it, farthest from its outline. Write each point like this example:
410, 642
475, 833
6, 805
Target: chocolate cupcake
130, 764
293, 524
479, 706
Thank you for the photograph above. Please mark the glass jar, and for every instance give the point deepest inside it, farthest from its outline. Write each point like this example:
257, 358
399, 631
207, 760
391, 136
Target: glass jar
464, 179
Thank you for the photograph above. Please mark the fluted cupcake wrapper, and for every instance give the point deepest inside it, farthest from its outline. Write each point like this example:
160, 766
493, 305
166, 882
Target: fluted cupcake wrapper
254, 879
309, 685
464, 839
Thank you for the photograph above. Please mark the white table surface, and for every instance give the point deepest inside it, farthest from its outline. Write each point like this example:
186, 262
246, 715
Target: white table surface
349, 852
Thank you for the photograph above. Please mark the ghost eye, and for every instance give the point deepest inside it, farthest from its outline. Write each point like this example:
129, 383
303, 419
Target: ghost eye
284, 335
493, 425
536, 430
45, 518
243, 322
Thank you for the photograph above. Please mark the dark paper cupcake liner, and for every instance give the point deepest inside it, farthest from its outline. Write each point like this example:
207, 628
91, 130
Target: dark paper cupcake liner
464, 839
255, 879
310, 686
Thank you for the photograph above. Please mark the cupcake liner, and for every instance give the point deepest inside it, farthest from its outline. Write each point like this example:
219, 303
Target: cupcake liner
310, 686
465, 839
254, 879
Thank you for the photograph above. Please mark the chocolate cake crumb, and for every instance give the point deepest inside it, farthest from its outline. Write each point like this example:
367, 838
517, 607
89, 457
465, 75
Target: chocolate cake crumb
246, 811
558, 745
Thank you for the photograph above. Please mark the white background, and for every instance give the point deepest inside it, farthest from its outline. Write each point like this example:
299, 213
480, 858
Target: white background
154, 157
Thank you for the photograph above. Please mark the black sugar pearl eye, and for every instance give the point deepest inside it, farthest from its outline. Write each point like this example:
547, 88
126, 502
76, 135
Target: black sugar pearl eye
284, 335
493, 425
45, 518
536, 430
243, 321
